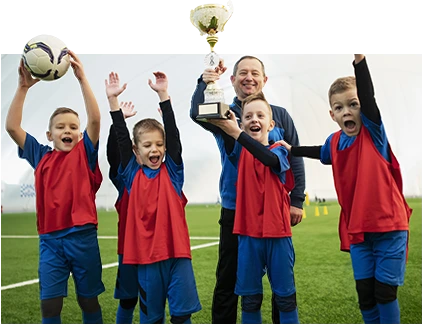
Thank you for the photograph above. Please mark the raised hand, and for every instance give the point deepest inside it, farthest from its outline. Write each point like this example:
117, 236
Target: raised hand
161, 82
25, 78
113, 89
127, 109
77, 66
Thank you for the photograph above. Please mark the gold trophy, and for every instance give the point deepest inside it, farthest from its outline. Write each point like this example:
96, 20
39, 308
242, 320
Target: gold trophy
211, 19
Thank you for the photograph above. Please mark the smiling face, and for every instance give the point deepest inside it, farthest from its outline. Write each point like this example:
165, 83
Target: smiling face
345, 110
149, 144
248, 77
257, 120
64, 131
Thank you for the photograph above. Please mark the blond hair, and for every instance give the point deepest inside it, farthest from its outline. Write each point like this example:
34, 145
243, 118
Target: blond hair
340, 85
147, 125
61, 110
254, 97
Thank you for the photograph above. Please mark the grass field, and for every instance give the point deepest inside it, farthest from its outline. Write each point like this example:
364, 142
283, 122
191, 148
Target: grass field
325, 285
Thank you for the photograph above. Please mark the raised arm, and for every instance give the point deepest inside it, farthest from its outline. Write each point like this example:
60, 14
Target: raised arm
365, 90
91, 106
112, 149
209, 75
173, 141
113, 90
14, 115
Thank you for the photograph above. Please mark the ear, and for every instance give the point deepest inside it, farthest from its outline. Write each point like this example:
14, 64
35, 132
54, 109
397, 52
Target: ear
48, 135
232, 79
271, 126
332, 115
265, 80
80, 136
135, 150
241, 126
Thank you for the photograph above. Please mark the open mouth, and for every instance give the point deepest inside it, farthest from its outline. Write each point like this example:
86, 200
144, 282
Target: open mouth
255, 129
154, 159
67, 140
350, 125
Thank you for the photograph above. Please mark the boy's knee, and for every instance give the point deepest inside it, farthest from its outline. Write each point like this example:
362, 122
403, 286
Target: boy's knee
179, 319
51, 307
89, 305
385, 293
366, 293
251, 303
286, 304
128, 303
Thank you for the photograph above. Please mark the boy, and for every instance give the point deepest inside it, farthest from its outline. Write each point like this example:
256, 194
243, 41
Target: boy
262, 217
374, 219
156, 234
66, 180
248, 77
126, 288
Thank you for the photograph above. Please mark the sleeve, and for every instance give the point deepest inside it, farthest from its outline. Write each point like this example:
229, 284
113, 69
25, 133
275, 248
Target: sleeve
282, 157
173, 140
112, 153
33, 151
123, 137
309, 152
325, 152
176, 174
259, 151
128, 173
198, 98
365, 92
91, 151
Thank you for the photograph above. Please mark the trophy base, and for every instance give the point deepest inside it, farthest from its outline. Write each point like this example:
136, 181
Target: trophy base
212, 111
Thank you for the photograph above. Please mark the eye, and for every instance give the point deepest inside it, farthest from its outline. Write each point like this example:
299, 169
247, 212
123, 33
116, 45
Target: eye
337, 108
256, 74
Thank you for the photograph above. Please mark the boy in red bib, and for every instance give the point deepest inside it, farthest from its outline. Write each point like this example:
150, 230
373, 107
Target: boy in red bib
67, 178
374, 219
156, 234
262, 217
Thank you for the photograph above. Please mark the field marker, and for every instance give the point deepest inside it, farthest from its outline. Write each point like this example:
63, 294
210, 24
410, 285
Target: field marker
105, 266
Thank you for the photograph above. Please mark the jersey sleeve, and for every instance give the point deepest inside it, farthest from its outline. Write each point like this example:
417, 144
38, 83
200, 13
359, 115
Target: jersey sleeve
33, 151
91, 150
325, 153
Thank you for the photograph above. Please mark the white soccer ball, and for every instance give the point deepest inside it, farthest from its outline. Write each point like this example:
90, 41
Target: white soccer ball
46, 57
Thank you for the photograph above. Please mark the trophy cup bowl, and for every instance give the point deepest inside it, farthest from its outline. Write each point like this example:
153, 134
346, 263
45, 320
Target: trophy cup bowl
210, 19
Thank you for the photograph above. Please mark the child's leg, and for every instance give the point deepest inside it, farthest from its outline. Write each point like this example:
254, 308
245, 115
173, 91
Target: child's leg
126, 290
53, 271
91, 310
51, 309
363, 263
152, 285
249, 282
390, 251
251, 306
83, 253
182, 291
280, 261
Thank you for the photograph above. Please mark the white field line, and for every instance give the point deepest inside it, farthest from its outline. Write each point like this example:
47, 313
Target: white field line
105, 266
103, 237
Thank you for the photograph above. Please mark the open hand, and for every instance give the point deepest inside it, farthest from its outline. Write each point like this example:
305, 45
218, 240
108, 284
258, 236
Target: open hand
77, 66
127, 109
25, 78
113, 89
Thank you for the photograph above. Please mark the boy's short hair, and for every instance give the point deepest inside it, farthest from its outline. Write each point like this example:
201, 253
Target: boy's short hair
254, 97
248, 57
147, 125
340, 85
61, 110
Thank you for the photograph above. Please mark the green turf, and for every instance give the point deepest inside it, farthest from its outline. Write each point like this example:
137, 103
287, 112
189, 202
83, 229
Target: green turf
323, 274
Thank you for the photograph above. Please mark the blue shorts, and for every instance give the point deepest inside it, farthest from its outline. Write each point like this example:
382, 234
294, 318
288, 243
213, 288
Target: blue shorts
258, 256
77, 252
172, 279
381, 255
126, 280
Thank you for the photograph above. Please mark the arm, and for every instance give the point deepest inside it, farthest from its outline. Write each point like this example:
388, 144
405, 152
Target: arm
365, 90
91, 106
112, 150
113, 90
14, 116
231, 128
302, 151
209, 75
173, 141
